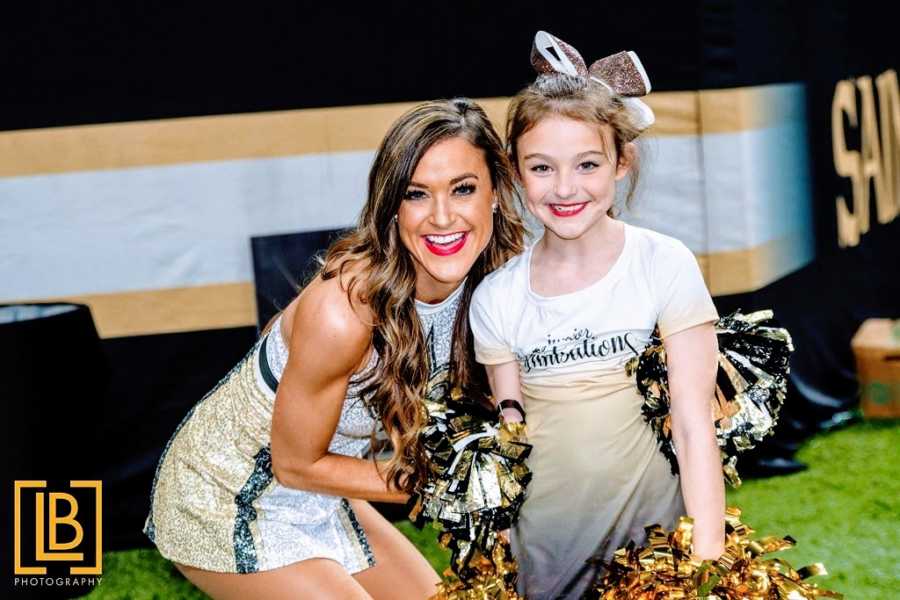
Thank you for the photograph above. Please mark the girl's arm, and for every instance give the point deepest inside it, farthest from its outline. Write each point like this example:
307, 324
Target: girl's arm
504, 381
692, 357
329, 342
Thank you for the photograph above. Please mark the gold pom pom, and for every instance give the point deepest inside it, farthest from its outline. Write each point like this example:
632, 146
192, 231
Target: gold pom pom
664, 569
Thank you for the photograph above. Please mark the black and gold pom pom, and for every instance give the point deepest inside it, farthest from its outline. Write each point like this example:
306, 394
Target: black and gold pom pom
751, 384
476, 485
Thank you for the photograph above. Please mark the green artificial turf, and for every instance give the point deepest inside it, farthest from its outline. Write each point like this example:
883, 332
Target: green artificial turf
844, 512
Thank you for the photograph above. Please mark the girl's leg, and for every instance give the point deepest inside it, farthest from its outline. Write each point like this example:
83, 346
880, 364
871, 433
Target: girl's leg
313, 578
400, 572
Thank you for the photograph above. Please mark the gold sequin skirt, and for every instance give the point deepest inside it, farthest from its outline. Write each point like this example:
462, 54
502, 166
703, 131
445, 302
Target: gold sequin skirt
215, 503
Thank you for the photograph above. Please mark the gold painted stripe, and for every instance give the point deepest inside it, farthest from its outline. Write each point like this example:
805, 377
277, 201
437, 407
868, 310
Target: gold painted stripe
227, 305
677, 113
202, 139
741, 271
172, 310
740, 109
323, 130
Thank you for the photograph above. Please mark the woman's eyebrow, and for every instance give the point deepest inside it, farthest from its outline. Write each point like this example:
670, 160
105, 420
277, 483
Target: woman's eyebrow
459, 178
456, 179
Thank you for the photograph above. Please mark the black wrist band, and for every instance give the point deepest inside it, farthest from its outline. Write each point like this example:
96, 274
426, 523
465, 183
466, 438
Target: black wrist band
510, 403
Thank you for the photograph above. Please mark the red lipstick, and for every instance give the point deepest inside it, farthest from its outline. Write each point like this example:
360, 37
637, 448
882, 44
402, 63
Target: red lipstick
570, 210
448, 248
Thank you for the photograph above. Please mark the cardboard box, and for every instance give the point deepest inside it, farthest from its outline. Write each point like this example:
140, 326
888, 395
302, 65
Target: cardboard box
876, 346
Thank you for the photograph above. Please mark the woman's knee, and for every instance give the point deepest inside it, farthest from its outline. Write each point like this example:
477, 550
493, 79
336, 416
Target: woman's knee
400, 570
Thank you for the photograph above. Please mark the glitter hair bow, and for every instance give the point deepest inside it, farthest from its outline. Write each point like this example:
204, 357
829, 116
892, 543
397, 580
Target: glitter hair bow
621, 73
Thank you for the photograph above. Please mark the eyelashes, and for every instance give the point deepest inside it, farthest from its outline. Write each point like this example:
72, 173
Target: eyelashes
413, 195
463, 189
587, 165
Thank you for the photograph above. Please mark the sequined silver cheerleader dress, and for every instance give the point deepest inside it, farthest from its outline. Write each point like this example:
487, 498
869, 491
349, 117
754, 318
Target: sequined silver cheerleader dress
215, 503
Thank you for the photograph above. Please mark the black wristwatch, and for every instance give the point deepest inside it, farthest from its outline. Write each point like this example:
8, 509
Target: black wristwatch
510, 403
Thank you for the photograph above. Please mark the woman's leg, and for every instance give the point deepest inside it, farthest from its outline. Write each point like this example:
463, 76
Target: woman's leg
400, 571
313, 578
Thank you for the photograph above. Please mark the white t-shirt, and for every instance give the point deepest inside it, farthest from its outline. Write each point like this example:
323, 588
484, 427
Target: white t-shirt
598, 475
655, 280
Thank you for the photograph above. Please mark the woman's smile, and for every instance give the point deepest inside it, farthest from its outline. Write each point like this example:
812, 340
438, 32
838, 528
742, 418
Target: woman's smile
447, 244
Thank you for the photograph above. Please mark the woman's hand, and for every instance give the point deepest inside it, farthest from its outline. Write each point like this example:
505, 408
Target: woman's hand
329, 342
692, 357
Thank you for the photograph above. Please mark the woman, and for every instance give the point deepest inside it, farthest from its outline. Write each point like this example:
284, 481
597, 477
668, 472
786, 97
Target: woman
262, 491
557, 326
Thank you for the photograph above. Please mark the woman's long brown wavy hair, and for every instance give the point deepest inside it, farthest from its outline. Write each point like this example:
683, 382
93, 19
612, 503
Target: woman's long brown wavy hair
385, 279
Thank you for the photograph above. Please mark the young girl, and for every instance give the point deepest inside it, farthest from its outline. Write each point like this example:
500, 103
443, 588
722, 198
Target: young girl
556, 325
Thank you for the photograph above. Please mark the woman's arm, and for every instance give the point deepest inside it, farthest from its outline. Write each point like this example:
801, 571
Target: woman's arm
329, 342
505, 384
692, 357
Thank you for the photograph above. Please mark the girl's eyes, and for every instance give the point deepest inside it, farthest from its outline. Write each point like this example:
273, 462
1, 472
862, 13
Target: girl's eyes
464, 189
588, 165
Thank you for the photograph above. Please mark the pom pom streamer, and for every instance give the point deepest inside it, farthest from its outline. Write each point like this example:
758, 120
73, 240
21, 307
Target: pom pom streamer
476, 485
751, 384
664, 569
490, 578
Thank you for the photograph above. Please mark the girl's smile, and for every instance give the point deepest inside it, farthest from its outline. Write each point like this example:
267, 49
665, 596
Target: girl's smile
567, 210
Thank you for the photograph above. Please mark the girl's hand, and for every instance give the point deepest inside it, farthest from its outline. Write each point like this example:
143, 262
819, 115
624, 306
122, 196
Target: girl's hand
708, 550
511, 415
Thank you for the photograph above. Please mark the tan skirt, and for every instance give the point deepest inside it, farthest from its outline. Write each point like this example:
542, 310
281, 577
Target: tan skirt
598, 480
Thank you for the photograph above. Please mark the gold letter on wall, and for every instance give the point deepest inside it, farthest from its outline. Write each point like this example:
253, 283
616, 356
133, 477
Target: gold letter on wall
889, 107
879, 159
846, 163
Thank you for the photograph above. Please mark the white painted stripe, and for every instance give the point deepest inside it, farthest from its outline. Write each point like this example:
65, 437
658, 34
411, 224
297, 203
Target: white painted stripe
669, 196
758, 183
165, 227
185, 225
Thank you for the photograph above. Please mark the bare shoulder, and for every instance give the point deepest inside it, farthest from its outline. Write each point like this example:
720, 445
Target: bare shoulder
324, 318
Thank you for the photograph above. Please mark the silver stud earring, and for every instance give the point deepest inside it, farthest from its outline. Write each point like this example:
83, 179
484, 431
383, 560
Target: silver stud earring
396, 218
494, 207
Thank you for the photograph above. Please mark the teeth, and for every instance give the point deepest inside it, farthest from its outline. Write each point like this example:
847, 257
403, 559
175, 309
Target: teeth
566, 207
444, 239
